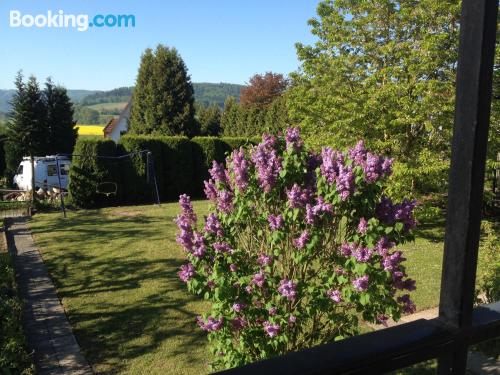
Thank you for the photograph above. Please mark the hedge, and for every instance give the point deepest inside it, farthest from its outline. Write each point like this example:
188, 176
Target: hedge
181, 166
89, 175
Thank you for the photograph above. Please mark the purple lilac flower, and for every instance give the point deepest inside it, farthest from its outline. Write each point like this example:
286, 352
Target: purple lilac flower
218, 173
186, 272
249, 289
287, 289
259, 278
222, 247
199, 246
362, 254
298, 197
362, 226
330, 160
347, 249
187, 208
408, 305
271, 329
313, 161
340, 271
292, 319
374, 166
391, 262
267, 162
210, 190
185, 238
383, 246
358, 153
233, 267
213, 225
361, 283
345, 181
211, 284
310, 216
302, 240
293, 140
225, 201
264, 260
240, 169
272, 311
382, 319
238, 323
238, 307
275, 222
389, 213
334, 295
312, 212
211, 324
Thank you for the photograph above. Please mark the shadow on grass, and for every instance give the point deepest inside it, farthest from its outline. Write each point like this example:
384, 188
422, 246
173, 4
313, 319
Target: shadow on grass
121, 305
432, 230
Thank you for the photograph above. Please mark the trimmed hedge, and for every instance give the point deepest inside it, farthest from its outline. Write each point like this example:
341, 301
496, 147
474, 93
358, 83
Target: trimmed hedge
88, 174
181, 166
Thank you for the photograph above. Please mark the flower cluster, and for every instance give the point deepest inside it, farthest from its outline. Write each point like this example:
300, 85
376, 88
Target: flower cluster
293, 237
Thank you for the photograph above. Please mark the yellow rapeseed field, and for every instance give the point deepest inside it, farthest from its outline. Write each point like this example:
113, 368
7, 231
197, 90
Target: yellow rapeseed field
89, 129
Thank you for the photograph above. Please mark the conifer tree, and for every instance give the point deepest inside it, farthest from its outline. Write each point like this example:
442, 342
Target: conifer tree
61, 133
163, 98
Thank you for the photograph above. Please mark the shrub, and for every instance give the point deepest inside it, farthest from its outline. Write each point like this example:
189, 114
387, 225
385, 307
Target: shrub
178, 167
489, 258
297, 247
136, 186
205, 150
88, 173
14, 358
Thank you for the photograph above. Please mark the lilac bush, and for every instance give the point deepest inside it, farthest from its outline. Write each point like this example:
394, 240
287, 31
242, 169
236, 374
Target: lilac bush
296, 249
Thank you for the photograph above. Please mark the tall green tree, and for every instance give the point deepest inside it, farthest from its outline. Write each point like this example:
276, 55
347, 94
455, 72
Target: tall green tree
163, 101
229, 117
383, 71
209, 118
26, 128
61, 133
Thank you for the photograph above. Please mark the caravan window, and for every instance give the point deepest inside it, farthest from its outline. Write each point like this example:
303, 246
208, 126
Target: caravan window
51, 170
64, 169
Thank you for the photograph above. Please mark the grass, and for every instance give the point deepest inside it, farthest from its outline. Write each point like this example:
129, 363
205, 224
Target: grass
116, 273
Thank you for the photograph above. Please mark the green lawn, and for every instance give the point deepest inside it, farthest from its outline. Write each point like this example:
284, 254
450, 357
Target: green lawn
116, 272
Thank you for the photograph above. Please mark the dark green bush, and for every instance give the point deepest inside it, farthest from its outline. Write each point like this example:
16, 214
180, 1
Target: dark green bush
14, 357
178, 167
181, 166
206, 150
138, 182
89, 176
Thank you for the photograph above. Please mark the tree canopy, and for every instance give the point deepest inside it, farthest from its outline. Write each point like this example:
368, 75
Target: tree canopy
383, 71
263, 89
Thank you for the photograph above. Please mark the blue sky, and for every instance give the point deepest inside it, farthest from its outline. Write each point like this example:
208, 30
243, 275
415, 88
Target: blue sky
219, 40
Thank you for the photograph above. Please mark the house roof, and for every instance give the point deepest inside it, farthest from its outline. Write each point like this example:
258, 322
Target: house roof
110, 126
115, 120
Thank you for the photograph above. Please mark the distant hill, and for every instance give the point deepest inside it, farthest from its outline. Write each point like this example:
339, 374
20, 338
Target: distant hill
75, 95
215, 93
98, 107
205, 93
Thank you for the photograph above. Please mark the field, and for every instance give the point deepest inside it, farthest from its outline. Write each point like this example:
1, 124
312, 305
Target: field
116, 273
90, 129
108, 106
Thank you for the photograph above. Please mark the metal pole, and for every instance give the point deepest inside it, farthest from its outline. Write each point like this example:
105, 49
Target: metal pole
60, 186
152, 166
478, 24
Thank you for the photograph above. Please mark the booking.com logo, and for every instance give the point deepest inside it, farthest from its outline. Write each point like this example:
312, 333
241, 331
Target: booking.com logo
61, 20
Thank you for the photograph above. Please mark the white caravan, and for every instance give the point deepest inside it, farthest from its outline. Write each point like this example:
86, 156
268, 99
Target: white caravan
45, 173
